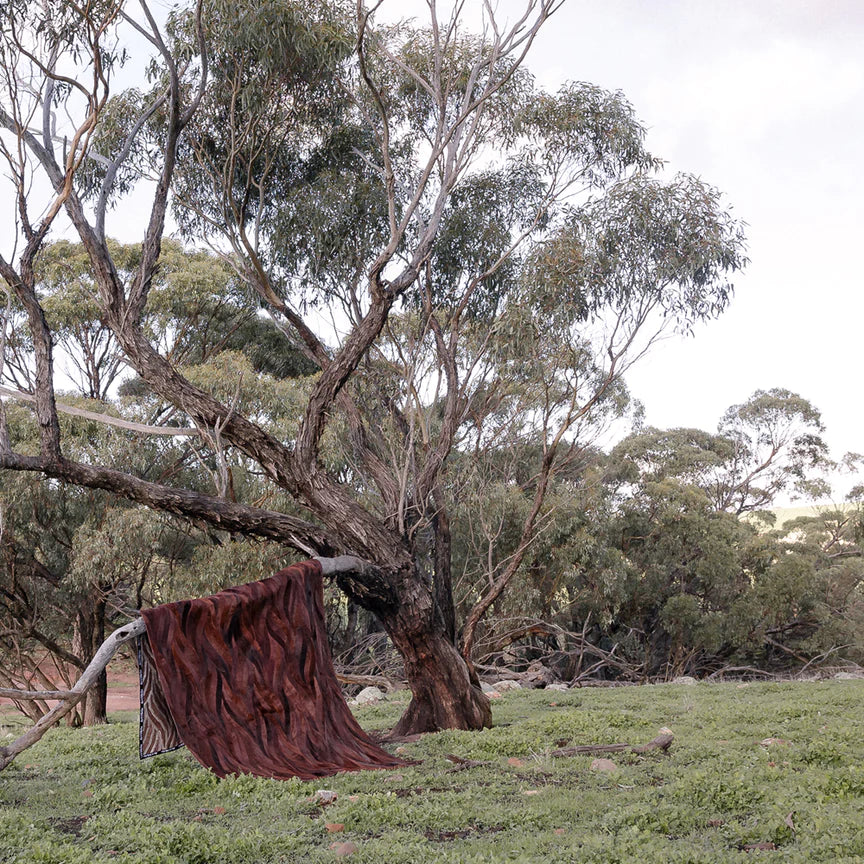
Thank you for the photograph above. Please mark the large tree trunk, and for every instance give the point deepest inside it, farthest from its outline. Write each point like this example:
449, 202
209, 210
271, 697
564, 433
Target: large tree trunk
89, 635
445, 692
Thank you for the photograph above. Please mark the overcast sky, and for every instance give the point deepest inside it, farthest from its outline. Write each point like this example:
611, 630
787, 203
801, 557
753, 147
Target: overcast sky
765, 100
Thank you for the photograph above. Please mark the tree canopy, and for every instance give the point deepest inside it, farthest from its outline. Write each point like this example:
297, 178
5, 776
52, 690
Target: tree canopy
459, 257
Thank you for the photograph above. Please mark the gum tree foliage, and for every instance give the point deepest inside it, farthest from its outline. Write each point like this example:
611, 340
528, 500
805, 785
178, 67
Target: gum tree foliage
461, 256
73, 561
819, 582
197, 308
77, 559
770, 444
706, 587
701, 589
642, 555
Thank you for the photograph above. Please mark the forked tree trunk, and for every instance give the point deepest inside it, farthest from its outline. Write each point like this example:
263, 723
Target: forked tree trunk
445, 691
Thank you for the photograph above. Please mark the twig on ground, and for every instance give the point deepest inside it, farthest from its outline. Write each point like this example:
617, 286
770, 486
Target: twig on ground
461, 763
662, 742
752, 670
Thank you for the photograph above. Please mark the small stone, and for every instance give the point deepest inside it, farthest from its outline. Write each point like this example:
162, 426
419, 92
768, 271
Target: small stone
324, 797
503, 686
369, 696
603, 765
684, 679
558, 685
486, 687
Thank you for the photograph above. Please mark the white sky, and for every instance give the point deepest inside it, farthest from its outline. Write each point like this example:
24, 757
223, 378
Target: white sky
765, 100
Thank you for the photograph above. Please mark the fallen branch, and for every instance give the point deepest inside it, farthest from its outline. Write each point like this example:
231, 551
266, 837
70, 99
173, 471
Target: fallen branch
661, 742
750, 670
605, 682
72, 697
366, 681
462, 763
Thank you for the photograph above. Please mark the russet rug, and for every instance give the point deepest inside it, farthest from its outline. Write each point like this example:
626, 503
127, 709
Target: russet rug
245, 680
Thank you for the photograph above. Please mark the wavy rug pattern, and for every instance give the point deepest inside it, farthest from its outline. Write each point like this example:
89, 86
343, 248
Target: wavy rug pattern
249, 681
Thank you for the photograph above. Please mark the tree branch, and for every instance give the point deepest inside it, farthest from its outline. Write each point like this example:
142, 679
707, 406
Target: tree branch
107, 650
221, 514
107, 419
342, 564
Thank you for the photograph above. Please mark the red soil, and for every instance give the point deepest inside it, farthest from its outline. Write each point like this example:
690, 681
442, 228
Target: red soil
122, 688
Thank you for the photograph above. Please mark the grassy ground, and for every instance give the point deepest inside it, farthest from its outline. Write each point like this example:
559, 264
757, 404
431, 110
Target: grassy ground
83, 796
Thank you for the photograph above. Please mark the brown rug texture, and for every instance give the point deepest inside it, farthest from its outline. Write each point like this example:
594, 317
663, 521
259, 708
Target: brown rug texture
249, 681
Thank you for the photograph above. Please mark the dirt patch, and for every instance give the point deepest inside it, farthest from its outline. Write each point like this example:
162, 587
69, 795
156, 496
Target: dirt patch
123, 686
71, 826
122, 698
122, 689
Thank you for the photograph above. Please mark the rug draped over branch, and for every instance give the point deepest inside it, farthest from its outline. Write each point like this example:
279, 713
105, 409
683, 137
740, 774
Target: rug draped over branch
249, 684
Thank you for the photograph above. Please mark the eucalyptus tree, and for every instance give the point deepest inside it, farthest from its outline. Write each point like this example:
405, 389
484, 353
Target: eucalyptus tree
770, 444
777, 445
76, 560
72, 560
459, 253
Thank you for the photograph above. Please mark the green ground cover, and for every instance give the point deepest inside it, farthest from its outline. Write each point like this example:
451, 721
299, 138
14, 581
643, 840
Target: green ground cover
83, 796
